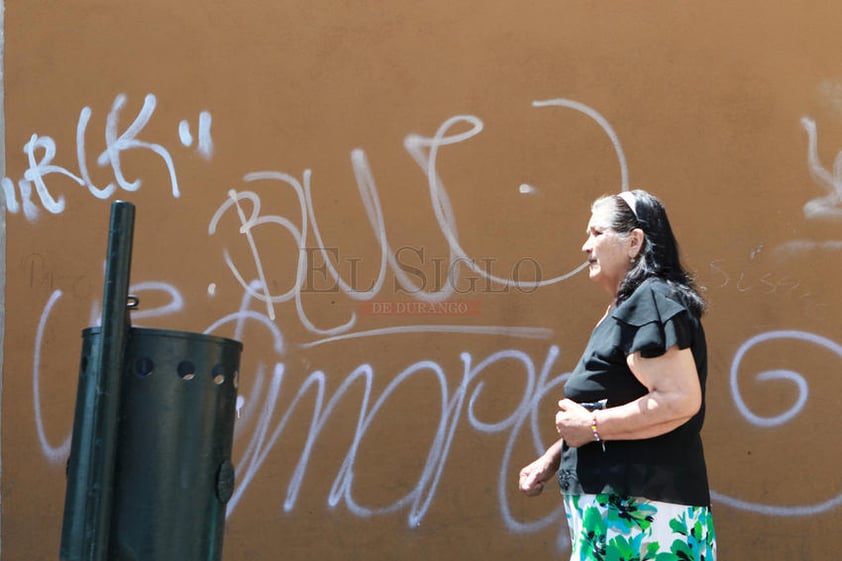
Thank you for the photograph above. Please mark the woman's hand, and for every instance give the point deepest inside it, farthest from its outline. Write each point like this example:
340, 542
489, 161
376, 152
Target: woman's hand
532, 477
574, 423
674, 396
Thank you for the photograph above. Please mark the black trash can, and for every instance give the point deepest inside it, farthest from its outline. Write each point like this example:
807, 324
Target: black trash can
173, 469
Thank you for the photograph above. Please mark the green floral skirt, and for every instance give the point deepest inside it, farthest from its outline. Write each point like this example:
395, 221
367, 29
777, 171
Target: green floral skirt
609, 527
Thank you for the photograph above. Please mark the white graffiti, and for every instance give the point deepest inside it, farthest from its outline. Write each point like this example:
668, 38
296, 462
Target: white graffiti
268, 423
424, 151
532, 380
830, 205
41, 152
802, 392
764, 282
452, 408
263, 422
603, 123
204, 146
58, 453
827, 207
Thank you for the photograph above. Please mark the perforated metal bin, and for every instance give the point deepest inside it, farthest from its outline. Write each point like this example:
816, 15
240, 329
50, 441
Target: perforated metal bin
173, 470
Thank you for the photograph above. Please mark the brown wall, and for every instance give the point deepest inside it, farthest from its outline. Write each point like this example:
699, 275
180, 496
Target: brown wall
731, 112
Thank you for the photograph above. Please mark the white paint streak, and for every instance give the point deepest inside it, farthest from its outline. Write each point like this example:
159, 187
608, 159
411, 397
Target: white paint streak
54, 454
829, 206
205, 145
499, 330
184, 134
603, 123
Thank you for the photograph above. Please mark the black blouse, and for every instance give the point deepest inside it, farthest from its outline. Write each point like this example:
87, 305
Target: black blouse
670, 467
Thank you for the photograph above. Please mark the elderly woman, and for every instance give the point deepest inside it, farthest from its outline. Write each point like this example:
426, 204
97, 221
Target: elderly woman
629, 458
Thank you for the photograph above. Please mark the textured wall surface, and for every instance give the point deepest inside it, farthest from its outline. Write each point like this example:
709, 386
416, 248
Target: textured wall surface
385, 202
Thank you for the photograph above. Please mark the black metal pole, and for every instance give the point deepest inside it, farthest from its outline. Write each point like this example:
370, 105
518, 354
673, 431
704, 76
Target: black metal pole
90, 473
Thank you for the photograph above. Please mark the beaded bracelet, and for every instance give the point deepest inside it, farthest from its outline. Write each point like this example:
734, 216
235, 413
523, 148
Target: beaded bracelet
596, 433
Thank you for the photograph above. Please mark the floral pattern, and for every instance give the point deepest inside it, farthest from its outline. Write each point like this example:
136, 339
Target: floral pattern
611, 527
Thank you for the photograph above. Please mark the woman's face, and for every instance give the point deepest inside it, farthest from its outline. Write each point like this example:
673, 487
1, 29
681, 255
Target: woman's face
608, 253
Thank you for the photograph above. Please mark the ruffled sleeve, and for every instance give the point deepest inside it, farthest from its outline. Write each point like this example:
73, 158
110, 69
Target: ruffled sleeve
652, 320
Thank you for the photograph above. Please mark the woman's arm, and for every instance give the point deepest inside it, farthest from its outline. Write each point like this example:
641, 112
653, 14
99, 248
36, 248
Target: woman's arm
533, 476
674, 396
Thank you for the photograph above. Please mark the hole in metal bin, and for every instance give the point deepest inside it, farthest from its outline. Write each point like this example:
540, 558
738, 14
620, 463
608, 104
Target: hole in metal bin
218, 376
187, 370
144, 366
236, 379
84, 366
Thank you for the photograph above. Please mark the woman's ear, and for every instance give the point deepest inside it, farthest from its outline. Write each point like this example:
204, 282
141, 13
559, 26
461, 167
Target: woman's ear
636, 238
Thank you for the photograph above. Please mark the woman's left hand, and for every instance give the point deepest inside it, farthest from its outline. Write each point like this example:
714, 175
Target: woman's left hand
574, 423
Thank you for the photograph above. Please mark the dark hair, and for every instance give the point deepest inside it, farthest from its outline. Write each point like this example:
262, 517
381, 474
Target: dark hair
659, 255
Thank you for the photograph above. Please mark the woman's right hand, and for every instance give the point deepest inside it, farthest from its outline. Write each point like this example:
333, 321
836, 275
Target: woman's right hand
533, 476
